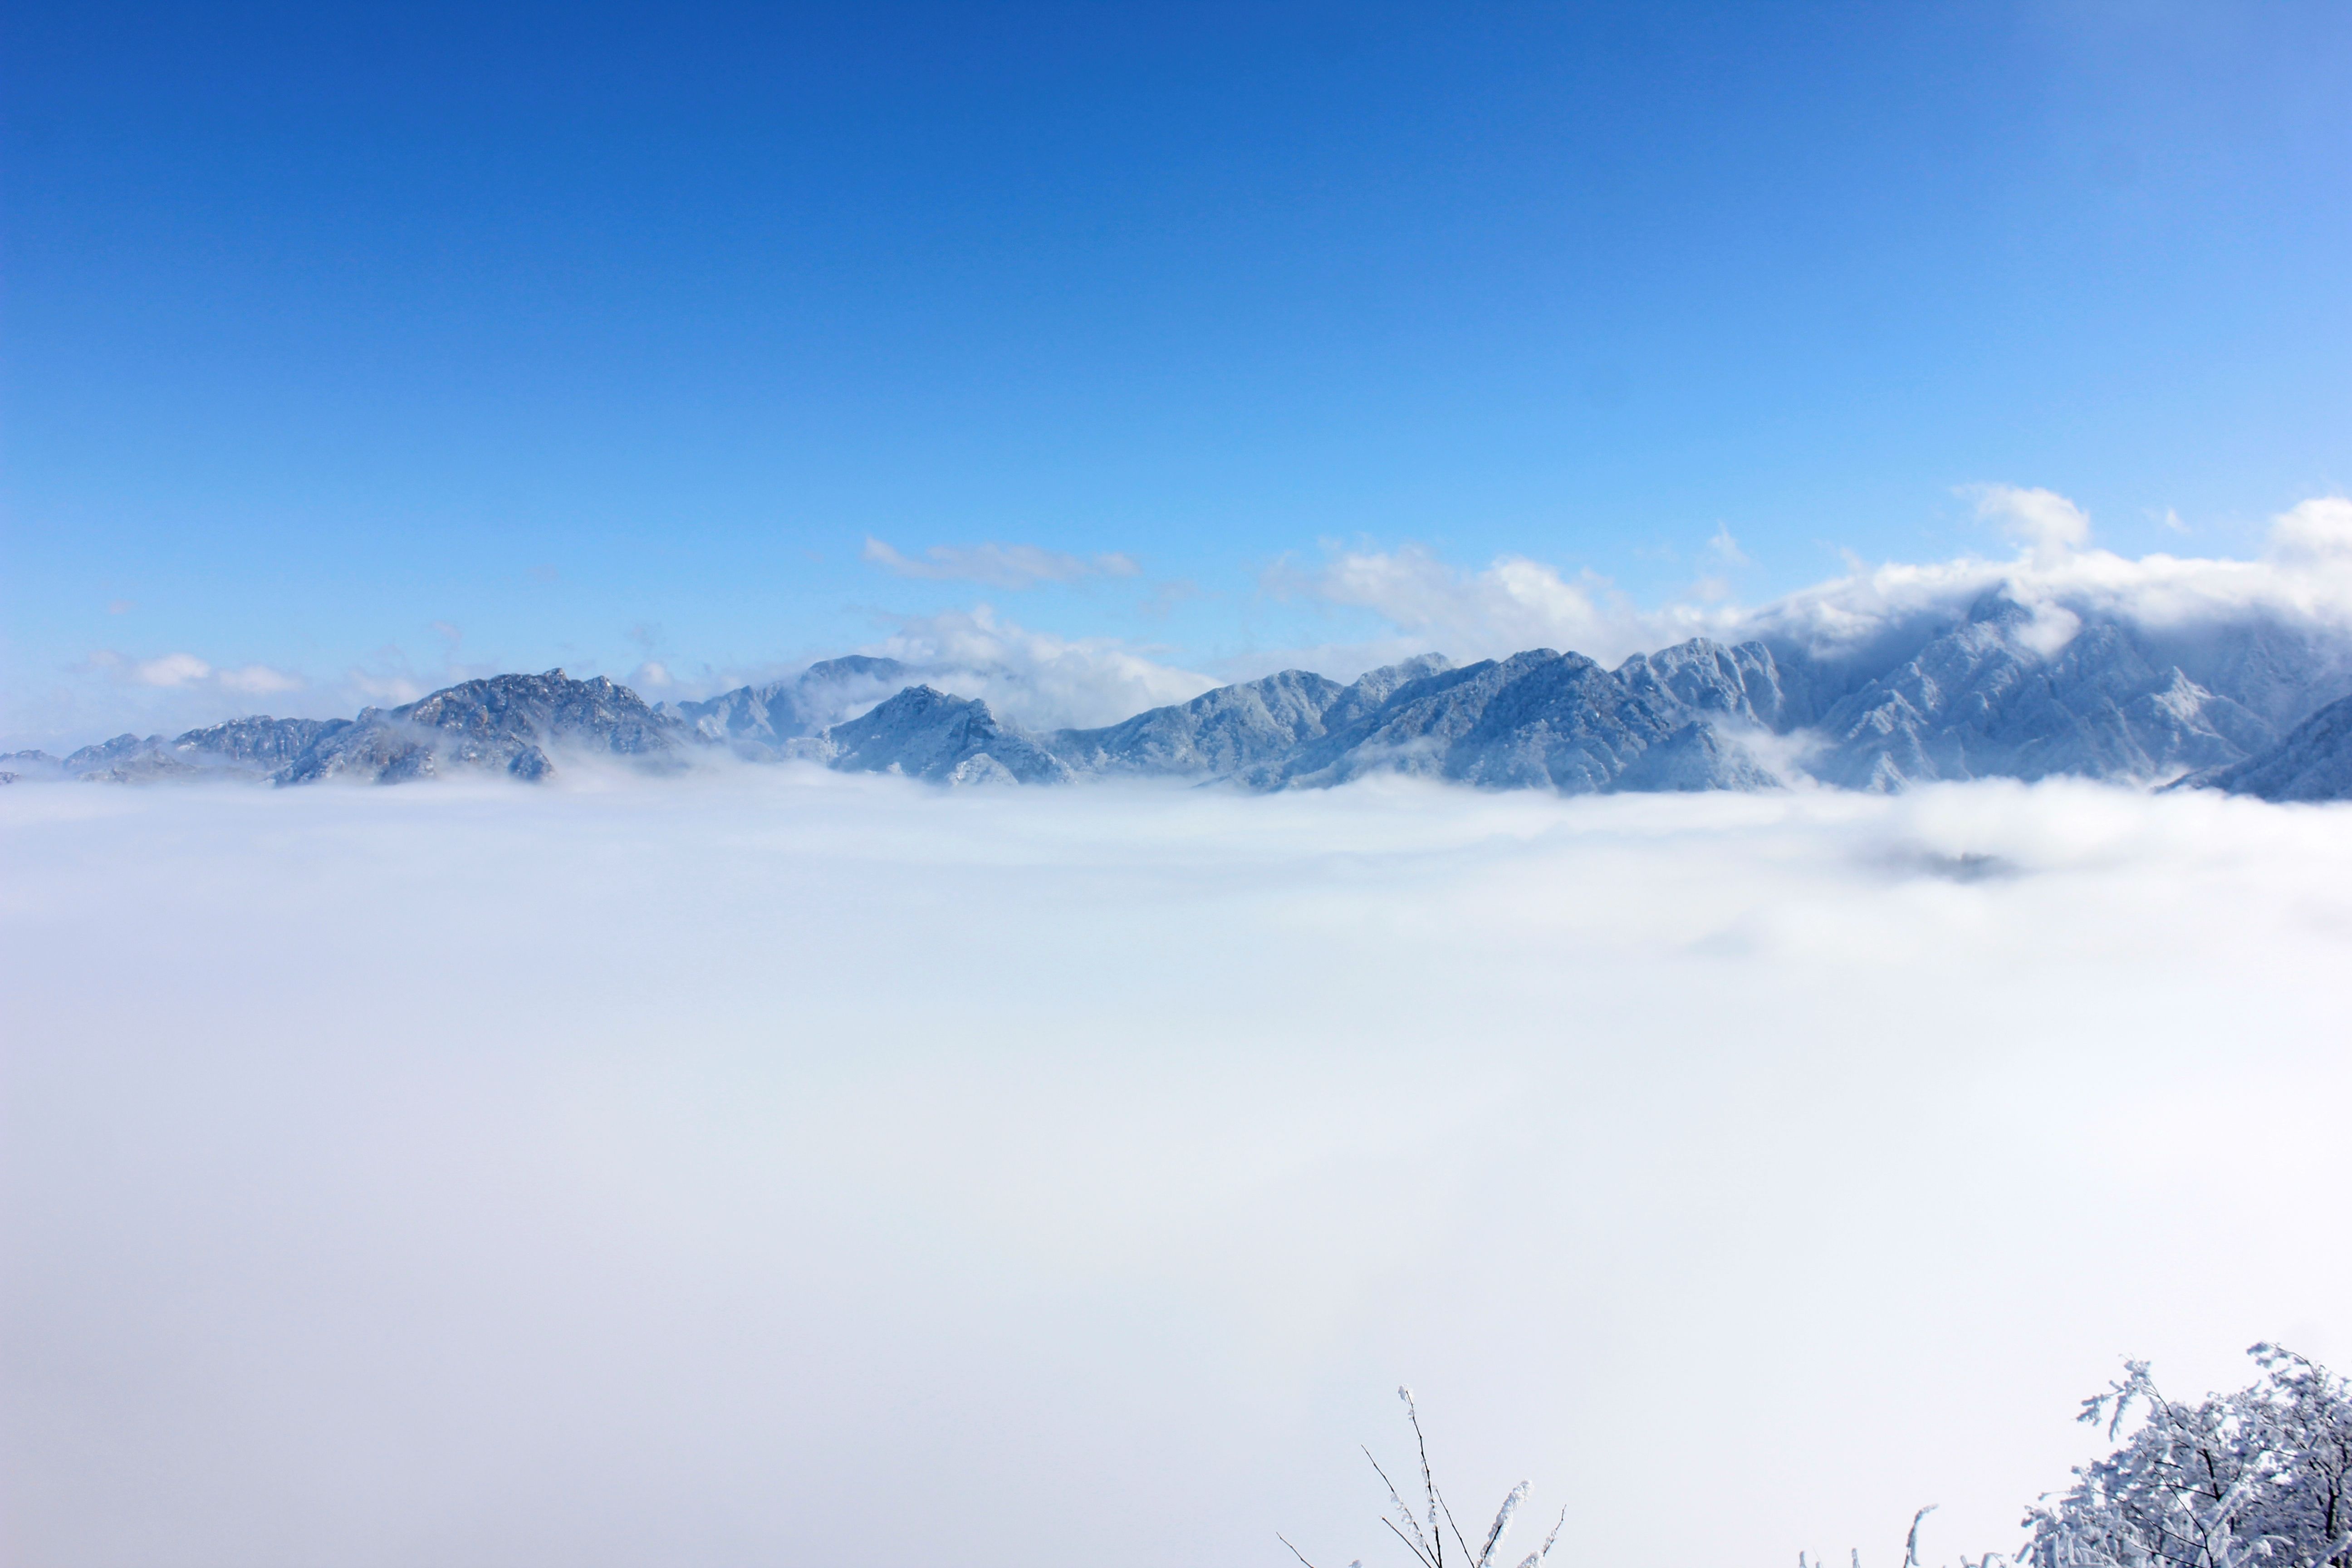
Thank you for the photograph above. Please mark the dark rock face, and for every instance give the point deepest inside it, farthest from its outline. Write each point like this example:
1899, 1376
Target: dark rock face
929, 735
504, 723
757, 721
2313, 762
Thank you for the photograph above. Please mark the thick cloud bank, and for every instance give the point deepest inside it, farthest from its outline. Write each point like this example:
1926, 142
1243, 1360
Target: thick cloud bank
779, 1167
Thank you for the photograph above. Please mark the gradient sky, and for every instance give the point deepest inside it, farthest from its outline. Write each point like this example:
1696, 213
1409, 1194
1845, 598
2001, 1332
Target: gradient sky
339, 337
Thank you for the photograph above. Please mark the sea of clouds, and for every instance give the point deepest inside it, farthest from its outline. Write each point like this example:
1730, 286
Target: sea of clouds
770, 1165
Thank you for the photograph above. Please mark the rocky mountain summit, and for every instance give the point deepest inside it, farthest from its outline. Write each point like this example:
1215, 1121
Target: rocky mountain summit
1997, 688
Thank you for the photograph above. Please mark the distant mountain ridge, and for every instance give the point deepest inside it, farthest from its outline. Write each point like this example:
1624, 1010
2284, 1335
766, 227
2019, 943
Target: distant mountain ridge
2003, 689
505, 724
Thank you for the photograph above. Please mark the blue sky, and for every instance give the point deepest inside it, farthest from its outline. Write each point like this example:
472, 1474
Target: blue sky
347, 337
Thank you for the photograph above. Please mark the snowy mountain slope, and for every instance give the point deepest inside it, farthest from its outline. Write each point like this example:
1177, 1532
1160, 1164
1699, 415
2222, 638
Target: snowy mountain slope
1539, 719
929, 735
1745, 684
1233, 727
506, 723
2019, 691
248, 748
757, 721
2311, 762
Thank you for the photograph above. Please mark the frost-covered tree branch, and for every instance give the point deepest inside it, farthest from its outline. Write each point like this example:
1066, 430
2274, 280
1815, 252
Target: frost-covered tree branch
2263, 1475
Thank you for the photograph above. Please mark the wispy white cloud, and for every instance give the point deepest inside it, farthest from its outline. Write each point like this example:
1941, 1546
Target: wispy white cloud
1719, 561
185, 671
171, 670
2045, 522
257, 681
1011, 567
385, 688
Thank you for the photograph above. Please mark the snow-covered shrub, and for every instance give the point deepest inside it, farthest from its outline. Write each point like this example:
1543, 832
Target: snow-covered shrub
2262, 1476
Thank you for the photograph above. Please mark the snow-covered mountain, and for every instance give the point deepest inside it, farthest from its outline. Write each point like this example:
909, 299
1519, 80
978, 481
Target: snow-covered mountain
2003, 687
2019, 691
1223, 732
506, 723
2311, 762
1543, 718
927, 734
758, 722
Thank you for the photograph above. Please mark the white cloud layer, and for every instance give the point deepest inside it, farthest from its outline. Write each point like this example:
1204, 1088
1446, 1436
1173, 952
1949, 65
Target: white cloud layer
1012, 567
770, 1165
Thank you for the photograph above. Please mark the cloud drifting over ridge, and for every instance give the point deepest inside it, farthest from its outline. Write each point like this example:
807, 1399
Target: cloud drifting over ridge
1035, 677
774, 1152
2303, 575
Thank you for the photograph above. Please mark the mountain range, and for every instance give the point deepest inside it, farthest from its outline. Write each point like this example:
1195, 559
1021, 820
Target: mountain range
1999, 689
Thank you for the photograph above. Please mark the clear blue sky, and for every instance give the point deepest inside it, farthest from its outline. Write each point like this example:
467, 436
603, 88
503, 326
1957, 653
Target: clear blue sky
589, 330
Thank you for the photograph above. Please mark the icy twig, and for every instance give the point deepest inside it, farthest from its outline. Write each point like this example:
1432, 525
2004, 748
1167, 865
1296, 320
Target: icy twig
1911, 1541
1502, 1524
